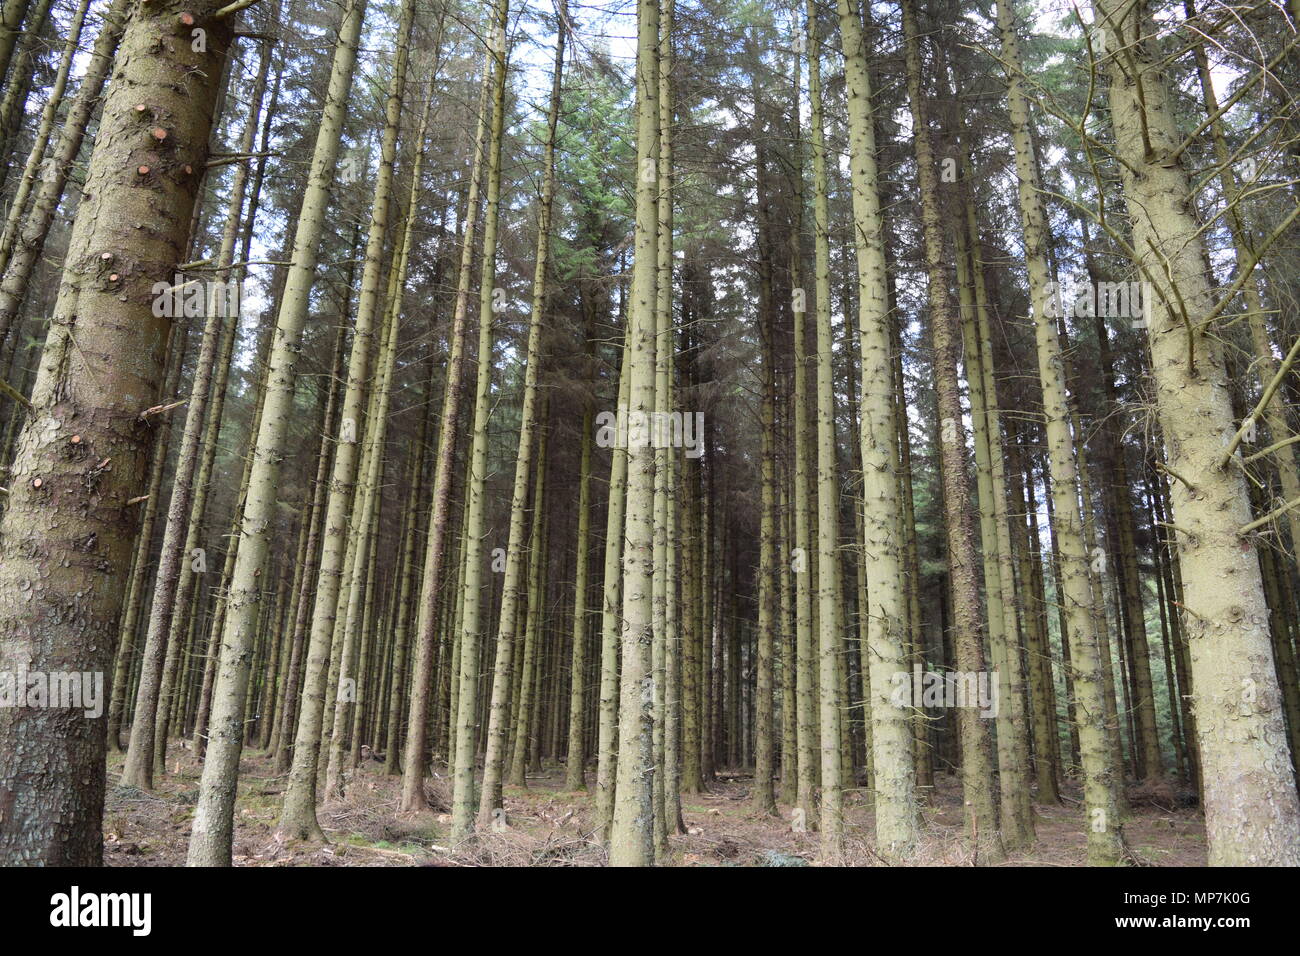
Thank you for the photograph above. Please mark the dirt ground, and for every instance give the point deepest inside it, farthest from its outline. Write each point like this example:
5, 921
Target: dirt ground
547, 826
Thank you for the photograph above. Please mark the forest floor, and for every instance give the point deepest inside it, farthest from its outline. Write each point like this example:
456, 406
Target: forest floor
548, 826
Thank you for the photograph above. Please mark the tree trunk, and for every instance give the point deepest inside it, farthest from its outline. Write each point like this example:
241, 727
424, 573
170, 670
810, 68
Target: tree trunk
426, 645
84, 448
892, 755
494, 758
213, 819
1252, 814
631, 841
467, 709
977, 769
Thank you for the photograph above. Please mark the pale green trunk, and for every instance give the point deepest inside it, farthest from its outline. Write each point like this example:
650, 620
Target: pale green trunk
611, 604
799, 558
999, 593
631, 841
829, 637
213, 819
574, 776
976, 765
494, 758
298, 816
525, 727
1252, 815
892, 755
414, 763
467, 709
84, 450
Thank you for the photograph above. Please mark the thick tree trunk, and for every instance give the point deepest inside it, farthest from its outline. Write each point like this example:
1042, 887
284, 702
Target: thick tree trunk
1252, 814
67, 532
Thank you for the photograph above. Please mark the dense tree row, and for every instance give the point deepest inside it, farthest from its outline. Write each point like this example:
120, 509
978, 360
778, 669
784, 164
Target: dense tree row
854, 396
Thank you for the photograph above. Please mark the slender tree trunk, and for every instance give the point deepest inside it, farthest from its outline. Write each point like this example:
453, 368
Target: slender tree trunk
807, 774
328, 424
530, 664
29, 242
892, 755
977, 770
666, 635
494, 758
143, 545
631, 840
11, 21
576, 754
1016, 815
763, 796
213, 819
398, 683
1075, 591
426, 643
44, 129
35, 35
828, 591
611, 605
269, 739
467, 709
298, 816
355, 600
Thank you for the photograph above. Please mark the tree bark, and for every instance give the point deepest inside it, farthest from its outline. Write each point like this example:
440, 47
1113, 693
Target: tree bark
1252, 814
67, 532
